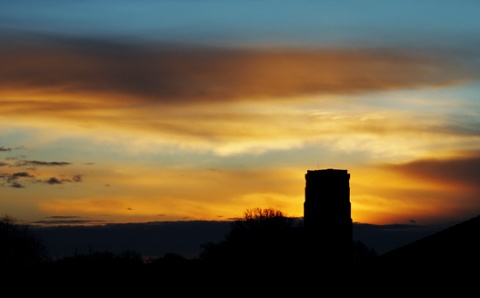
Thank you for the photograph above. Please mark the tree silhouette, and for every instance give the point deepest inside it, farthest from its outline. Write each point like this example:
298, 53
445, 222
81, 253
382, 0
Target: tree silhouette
264, 238
19, 246
276, 246
258, 219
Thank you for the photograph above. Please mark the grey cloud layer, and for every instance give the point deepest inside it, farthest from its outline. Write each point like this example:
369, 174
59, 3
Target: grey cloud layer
462, 170
170, 73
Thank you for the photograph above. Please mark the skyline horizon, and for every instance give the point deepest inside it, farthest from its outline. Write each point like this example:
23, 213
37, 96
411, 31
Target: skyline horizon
160, 238
73, 221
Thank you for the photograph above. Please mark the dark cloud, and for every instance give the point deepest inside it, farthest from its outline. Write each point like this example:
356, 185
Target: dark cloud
16, 185
41, 163
171, 73
13, 177
463, 170
5, 149
53, 180
69, 222
3, 164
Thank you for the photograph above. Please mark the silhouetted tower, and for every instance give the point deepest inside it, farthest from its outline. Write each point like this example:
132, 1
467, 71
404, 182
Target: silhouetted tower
327, 214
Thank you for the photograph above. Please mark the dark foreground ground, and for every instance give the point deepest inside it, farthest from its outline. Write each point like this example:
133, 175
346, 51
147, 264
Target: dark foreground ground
446, 263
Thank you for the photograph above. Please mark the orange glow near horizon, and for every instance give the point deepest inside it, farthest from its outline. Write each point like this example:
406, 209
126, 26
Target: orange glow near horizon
378, 196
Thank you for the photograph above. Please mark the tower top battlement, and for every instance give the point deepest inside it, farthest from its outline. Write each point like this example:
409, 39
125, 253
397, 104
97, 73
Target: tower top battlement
327, 172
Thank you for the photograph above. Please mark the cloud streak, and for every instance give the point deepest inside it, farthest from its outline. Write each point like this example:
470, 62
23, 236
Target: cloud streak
169, 73
68, 220
24, 163
459, 170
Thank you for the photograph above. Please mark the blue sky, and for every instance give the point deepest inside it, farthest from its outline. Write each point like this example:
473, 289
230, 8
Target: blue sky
257, 22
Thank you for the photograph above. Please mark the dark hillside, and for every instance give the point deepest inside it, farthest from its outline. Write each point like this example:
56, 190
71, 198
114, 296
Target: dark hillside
447, 259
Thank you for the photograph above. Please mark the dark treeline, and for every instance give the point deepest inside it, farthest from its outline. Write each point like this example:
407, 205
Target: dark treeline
264, 252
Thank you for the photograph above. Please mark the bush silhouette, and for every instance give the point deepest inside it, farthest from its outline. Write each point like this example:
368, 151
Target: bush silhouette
19, 247
265, 239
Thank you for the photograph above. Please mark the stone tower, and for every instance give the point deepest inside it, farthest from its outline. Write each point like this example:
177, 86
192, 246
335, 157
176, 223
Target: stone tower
327, 214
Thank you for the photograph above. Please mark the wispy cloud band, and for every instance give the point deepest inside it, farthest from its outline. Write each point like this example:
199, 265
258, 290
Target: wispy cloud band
169, 73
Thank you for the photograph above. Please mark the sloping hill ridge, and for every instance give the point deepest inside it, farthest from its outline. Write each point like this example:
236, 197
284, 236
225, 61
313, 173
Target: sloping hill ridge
452, 245
447, 259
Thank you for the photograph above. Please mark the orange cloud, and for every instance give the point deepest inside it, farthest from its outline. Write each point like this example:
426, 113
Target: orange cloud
165, 73
462, 172
224, 100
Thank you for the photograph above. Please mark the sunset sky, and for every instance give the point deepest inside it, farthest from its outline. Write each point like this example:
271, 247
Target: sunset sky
139, 111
